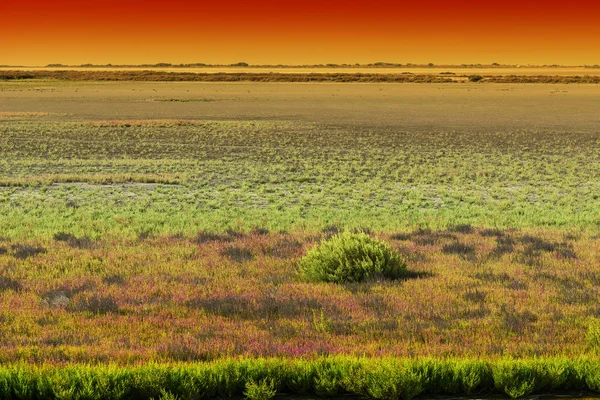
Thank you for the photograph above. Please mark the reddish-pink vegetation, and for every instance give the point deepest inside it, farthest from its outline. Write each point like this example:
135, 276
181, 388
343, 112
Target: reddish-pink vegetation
471, 293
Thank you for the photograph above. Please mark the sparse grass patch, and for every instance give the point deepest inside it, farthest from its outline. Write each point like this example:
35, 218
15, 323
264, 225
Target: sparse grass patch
237, 254
93, 303
462, 228
17, 114
23, 251
461, 249
492, 232
73, 241
7, 283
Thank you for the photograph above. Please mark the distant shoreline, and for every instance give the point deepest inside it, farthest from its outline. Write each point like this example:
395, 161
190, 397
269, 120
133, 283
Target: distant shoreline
436, 75
307, 66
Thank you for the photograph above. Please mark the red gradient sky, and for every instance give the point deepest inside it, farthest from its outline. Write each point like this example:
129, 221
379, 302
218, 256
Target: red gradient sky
39, 32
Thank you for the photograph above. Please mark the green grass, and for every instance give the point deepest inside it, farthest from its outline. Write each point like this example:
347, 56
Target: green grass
381, 379
117, 178
170, 241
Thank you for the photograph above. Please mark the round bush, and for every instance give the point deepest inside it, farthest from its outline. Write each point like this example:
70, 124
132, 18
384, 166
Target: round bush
351, 257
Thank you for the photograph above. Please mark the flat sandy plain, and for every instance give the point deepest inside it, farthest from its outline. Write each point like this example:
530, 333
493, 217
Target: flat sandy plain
433, 106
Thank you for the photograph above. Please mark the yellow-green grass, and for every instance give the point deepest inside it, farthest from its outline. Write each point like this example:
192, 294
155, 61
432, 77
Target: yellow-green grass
382, 379
177, 176
164, 222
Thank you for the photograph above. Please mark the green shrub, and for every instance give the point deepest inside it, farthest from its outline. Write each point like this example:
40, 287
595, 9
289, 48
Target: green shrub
516, 379
299, 377
472, 375
475, 78
5, 384
262, 390
166, 395
260, 379
351, 257
329, 377
395, 380
593, 334
591, 373
227, 381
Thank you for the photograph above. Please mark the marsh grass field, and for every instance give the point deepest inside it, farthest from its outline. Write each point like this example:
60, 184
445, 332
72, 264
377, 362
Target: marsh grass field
163, 223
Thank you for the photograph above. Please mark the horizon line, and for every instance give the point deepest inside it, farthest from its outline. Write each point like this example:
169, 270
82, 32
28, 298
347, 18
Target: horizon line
242, 64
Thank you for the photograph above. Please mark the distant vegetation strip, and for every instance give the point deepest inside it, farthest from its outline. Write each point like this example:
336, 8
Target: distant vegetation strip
92, 179
379, 64
385, 379
405, 77
20, 114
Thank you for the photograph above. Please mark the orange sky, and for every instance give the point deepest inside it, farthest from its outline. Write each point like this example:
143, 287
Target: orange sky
39, 32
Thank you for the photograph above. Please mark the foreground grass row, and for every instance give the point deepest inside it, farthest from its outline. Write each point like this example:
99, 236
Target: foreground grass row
390, 378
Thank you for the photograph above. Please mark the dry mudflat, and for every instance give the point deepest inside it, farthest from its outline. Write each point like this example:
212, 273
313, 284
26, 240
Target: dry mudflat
430, 106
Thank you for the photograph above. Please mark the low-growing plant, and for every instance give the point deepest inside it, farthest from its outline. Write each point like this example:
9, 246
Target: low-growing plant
73, 241
592, 337
472, 375
492, 232
237, 254
260, 379
461, 228
351, 257
7, 283
329, 378
23, 251
299, 377
205, 237
516, 379
321, 322
262, 390
461, 249
394, 380
259, 231
95, 304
